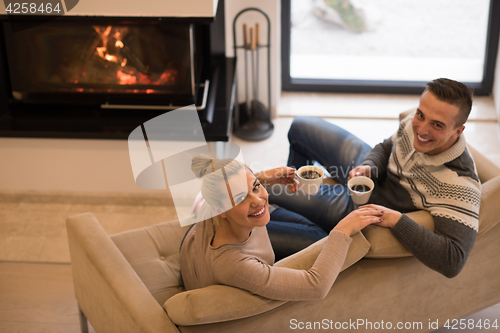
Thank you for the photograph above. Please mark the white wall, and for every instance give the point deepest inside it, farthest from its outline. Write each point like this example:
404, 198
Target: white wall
66, 165
273, 9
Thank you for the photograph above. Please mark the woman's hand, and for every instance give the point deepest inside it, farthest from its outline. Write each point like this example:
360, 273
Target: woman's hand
280, 175
358, 219
391, 216
360, 170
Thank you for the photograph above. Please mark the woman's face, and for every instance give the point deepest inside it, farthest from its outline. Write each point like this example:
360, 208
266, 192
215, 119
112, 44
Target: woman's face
251, 209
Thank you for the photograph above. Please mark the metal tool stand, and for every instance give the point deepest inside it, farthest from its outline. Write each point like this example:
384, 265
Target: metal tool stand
253, 118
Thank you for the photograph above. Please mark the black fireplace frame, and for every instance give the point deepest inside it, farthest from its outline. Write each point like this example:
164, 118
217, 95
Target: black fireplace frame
93, 121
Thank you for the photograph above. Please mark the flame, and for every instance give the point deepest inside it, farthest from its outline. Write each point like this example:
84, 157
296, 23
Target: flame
111, 58
166, 76
126, 78
111, 49
101, 51
134, 77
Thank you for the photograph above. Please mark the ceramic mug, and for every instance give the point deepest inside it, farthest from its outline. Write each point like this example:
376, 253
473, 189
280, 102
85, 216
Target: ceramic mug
360, 188
310, 185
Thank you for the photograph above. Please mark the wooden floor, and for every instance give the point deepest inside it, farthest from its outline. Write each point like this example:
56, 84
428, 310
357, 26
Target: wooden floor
37, 298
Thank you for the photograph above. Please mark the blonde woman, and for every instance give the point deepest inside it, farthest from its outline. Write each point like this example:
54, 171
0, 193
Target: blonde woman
233, 247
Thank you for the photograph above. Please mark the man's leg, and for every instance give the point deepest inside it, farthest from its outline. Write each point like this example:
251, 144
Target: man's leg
290, 232
325, 208
313, 139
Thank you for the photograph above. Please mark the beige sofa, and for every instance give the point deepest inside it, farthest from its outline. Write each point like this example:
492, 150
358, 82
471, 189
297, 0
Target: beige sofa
130, 282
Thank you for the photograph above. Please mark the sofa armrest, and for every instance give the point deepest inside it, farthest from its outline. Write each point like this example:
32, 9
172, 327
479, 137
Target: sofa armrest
406, 113
486, 169
385, 245
489, 211
108, 290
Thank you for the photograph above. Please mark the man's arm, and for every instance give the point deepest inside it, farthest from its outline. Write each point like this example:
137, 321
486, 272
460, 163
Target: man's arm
445, 250
378, 158
279, 175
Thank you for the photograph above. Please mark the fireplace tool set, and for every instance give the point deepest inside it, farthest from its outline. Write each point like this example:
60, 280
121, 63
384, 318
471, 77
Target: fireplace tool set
253, 118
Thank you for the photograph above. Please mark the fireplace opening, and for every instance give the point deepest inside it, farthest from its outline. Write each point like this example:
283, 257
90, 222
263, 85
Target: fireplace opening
108, 64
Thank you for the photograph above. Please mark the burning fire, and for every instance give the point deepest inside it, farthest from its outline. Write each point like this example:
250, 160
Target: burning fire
131, 68
126, 78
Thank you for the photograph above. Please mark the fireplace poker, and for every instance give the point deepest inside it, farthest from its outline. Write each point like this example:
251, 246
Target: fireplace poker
259, 111
245, 46
245, 107
252, 53
257, 61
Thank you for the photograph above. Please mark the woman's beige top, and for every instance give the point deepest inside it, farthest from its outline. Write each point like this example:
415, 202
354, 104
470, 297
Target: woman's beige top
249, 265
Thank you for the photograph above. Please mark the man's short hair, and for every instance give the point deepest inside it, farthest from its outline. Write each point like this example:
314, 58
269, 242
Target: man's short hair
454, 93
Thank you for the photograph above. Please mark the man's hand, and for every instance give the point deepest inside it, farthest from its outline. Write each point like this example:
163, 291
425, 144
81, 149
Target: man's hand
360, 170
280, 175
358, 219
390, 216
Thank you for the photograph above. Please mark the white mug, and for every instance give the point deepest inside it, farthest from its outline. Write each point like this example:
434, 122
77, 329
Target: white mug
310, 186
360, 198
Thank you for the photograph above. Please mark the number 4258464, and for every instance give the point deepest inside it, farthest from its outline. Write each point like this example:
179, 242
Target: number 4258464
32, 8
461, 324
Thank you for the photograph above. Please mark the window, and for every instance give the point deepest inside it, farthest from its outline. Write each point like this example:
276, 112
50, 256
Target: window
388, 46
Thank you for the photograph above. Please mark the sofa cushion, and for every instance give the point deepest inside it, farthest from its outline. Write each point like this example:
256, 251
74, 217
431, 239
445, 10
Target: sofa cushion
486, 169
153, 253
385, 245
221, 303
215, 303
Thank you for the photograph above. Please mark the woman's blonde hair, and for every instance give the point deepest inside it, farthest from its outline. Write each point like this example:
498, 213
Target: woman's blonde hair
205, 168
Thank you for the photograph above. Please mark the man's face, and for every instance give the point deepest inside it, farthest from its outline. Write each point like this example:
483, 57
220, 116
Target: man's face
434, 125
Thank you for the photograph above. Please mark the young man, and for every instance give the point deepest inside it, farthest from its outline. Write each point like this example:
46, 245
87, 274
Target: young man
424, 165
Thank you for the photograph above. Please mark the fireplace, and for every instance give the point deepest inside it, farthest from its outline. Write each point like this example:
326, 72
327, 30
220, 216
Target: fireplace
95, 77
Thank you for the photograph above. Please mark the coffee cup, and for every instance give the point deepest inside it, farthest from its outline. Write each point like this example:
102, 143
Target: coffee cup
310, 178
360, 188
